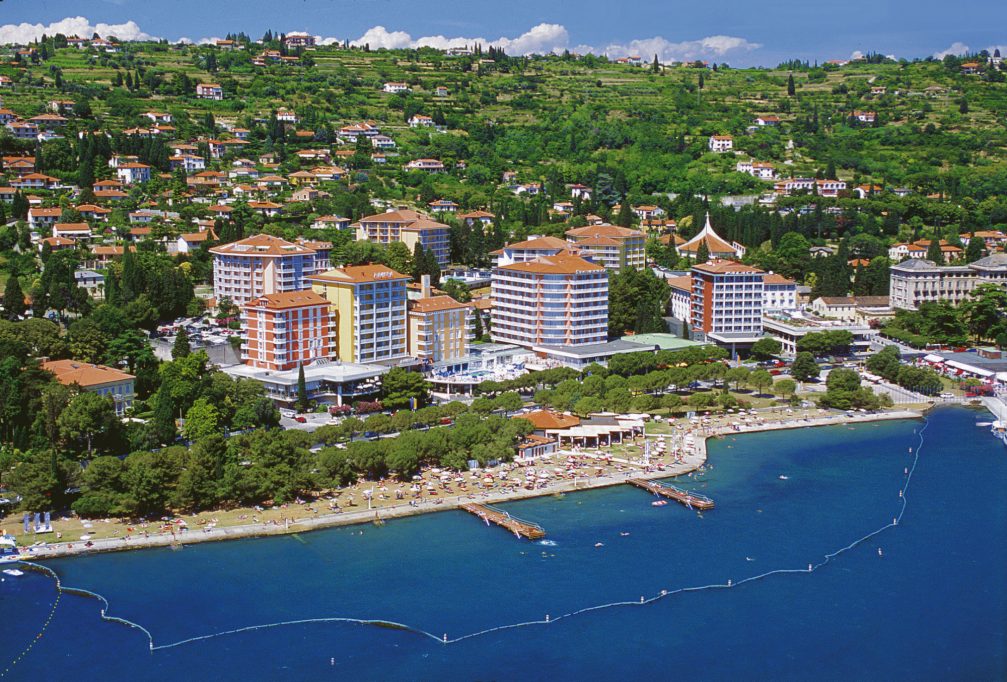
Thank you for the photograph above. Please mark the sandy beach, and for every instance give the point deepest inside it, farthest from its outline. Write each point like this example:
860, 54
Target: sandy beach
684, 451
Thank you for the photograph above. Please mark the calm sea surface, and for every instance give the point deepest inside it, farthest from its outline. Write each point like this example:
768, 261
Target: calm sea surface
933, 607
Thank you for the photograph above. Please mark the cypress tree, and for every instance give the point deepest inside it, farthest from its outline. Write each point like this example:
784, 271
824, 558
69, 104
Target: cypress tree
625, 213
432, 267
974, 251
132, 276
13, 299
19, 206
302, 390
702, 253
934, 252
419, 262
791, 88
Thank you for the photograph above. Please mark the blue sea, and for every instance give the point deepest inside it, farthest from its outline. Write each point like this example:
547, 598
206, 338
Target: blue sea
931, 605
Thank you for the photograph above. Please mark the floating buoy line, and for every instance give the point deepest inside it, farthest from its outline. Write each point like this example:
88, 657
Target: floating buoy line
444, 638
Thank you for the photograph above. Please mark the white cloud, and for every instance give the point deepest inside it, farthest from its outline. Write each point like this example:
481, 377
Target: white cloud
541, 39
80, 26
688, 50
956, 48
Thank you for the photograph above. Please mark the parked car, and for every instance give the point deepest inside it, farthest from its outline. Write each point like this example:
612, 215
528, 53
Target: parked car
371, 435
301, 419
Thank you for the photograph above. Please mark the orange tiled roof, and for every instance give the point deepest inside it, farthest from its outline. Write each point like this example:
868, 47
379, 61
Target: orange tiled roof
435, 304
547, 419
288, 299
84, 374
359, 274
560, 264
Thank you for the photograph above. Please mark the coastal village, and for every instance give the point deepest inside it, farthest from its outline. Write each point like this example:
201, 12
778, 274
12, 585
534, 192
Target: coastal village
246, 293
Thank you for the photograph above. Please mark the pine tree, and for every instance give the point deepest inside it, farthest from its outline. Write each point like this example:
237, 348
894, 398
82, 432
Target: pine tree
791, 87
13, 299
302, 391
181, 348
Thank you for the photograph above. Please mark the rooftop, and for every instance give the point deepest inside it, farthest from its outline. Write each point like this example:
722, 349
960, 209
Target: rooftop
359, 274
555, 265
84, 374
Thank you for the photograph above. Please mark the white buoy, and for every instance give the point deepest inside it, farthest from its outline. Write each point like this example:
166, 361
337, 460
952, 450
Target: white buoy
445, 638
880, 553
547, 617
900, 493
728, 582
895, 521
641, 599
809, 568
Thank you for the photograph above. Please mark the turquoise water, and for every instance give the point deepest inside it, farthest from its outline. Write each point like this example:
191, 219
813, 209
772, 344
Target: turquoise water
933, 607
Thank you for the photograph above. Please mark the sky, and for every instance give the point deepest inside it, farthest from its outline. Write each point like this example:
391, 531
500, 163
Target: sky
738, 32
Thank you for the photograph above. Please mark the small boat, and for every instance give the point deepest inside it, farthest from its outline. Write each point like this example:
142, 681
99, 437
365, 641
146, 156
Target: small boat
658, 503
999, 430
13, 571
599, 544
784, 478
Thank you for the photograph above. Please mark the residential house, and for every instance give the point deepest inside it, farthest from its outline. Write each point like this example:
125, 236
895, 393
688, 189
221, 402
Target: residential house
720, 143
130, 173
43, 217
429, 165
209, 91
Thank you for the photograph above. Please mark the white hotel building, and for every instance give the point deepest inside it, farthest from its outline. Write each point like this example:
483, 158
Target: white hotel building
261, 265
917, 280
553, 301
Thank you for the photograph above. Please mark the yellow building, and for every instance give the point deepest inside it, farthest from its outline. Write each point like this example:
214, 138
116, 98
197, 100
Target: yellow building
439, 328
369, 311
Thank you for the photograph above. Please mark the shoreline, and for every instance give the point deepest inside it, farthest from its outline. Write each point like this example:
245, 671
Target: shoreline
691, 462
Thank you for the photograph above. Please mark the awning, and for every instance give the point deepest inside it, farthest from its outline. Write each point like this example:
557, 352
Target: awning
933, 358
969, 368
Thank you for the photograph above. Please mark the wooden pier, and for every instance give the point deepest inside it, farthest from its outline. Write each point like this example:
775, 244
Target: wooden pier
522, 529
689, 499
